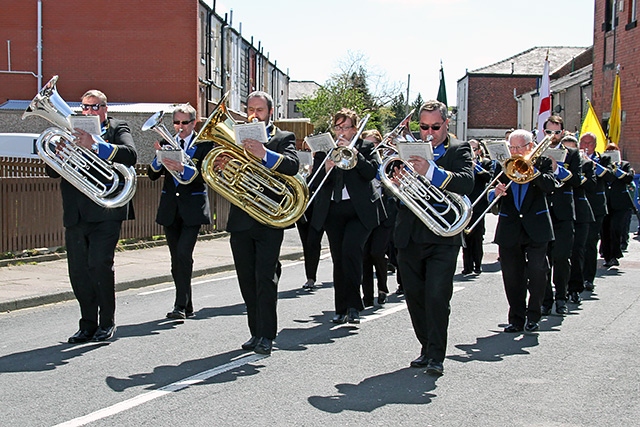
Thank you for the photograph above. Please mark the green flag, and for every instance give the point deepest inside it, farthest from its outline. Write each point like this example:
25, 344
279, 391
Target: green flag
442, 90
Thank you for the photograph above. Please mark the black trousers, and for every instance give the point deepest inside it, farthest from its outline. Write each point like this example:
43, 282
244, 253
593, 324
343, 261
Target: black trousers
90, 254
576, 278
559, 252
255, 255
473, 252
181, 240
524, 269
347, 236
311, 248
375, 259
427, 280
612, 234
591, 250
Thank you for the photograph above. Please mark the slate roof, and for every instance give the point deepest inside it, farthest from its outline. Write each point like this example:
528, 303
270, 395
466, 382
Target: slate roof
300, 89
531, 61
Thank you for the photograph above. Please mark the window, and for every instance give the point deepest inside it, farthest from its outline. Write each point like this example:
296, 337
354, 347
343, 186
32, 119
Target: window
633, 15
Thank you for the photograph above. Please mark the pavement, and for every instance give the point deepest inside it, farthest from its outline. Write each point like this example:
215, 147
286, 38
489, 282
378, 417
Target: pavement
30, 283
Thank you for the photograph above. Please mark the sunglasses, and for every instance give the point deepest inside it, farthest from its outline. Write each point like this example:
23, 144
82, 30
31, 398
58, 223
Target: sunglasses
434, 127
94, 107
184, 122
551, 132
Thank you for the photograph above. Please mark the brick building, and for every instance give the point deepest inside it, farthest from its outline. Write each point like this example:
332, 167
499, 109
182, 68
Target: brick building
616, 42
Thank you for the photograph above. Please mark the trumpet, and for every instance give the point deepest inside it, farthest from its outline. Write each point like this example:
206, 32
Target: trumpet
519, 169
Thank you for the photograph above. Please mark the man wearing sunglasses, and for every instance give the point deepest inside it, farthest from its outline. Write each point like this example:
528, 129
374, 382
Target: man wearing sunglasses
562, 209
184, 205
427, 262
92, 231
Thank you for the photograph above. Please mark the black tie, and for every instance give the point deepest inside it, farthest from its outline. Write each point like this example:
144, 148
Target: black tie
338, 185
182, 143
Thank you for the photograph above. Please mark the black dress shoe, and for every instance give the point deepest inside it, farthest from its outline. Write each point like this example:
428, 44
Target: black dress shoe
339, 318
367, 303
574, 297
435, 368
399, 291
353, 316
511, 328
589, 286
80, 337
382, 298
531, 326
420, 362
545, 311
263, 346
251, 344
177, 314
189, 313
103, 334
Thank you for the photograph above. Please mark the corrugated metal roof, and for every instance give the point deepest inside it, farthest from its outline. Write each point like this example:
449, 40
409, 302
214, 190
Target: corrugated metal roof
142, 107
300, 89
531, 61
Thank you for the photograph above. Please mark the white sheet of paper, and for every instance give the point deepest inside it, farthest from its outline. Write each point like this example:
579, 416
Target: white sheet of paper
254, 130
558, 154
323, 142
615, 156
89, 124
408, 149
305, 157
498, 150
171, 154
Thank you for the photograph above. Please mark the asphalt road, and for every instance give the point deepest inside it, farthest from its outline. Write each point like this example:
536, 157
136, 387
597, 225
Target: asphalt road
578, 370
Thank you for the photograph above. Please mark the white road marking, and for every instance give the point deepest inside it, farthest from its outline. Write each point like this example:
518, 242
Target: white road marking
146, 397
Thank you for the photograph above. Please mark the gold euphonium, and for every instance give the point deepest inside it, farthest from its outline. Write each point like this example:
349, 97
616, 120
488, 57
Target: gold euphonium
96, 178
269, 197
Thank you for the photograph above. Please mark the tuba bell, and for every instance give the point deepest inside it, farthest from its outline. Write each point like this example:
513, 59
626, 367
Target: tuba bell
445, 213
96, 178
269, 197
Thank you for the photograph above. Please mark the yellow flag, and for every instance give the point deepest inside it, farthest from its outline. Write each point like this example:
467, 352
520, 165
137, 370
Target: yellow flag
615, 121
592, 124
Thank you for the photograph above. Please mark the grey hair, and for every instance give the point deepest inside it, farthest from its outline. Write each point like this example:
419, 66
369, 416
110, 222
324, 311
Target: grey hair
434, 105
186, 109
262, 94
523, 134
95, 93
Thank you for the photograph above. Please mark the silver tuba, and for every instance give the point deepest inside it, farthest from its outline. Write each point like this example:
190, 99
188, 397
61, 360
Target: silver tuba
96, 178
155, 123
445, 213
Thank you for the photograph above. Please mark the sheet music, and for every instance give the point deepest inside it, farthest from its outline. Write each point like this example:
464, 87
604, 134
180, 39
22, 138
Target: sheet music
171, 154
254, 130
323, 142
305, 157
89, 124
558, 154
498, 150
613, 155
408, 149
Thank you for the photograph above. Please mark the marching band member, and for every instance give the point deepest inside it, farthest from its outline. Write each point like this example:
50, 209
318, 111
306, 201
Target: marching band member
344, 207
427, 261
472, 251
563, 215
523, 234
619, 204
184, 205
584, 219
598, 201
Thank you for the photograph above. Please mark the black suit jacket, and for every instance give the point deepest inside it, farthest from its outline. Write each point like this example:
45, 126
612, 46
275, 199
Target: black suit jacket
189, 201
597, 194
560, 200
481, 178
618, 197
457, 159
282, 142
78, 207
357, 181
588, 182
533, 218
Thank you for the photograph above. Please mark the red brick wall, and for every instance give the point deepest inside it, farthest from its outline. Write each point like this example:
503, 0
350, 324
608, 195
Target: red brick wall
621, 46
133, 50
491, 102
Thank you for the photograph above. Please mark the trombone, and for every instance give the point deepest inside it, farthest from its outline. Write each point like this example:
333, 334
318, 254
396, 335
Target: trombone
518, 169
343, 157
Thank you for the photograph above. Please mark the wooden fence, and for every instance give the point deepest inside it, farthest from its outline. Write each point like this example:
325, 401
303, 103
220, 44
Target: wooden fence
31, 207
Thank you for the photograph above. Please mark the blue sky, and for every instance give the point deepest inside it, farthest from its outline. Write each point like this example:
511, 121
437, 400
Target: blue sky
314, 39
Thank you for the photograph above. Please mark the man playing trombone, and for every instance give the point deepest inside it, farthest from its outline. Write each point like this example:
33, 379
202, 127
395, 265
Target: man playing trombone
523, 233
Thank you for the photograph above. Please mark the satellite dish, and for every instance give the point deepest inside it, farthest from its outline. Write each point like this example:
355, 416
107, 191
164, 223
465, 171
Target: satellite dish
557, 109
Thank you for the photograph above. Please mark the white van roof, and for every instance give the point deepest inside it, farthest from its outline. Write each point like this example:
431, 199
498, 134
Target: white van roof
18, 145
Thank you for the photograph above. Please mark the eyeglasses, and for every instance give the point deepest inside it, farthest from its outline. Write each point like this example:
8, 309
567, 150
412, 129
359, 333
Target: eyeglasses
183, 122
434, 127
518, 147
94, 107
342, 128
551, 132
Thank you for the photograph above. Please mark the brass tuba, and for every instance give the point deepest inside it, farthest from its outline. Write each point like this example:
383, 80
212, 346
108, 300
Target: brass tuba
445, 213
96, 178
269, 197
